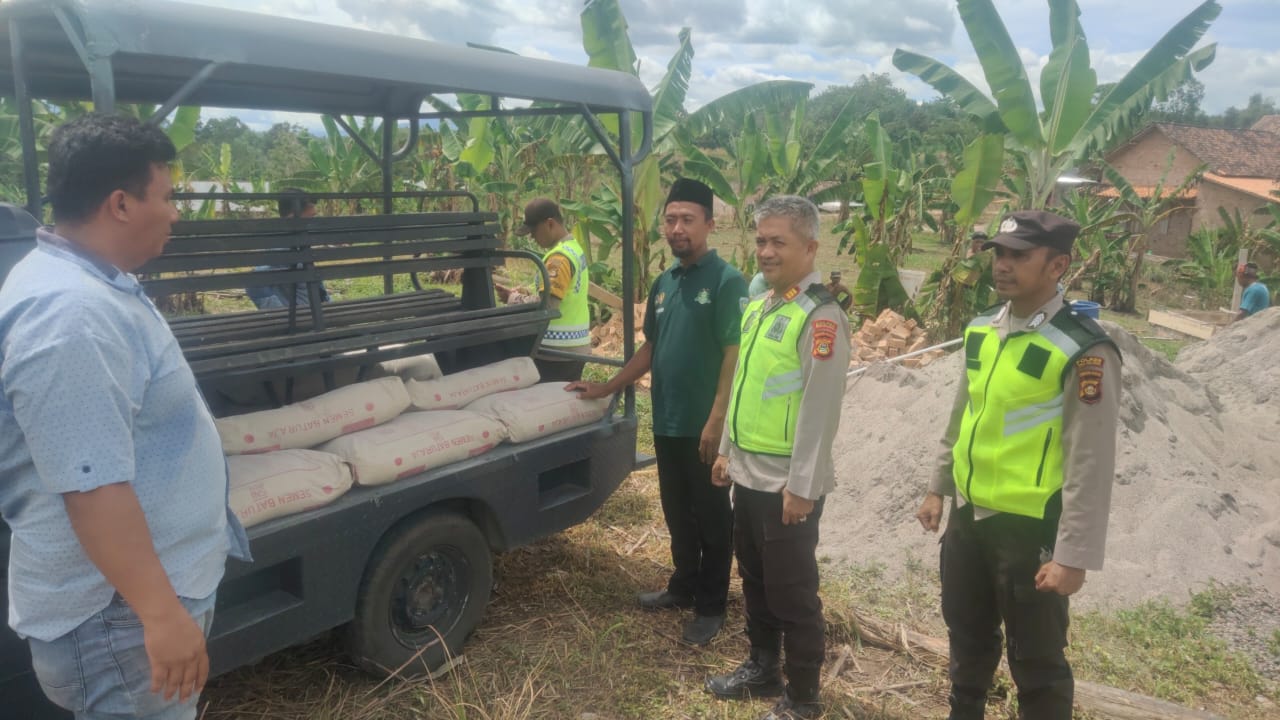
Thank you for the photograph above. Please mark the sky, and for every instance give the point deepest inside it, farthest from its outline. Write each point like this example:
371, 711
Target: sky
825, 42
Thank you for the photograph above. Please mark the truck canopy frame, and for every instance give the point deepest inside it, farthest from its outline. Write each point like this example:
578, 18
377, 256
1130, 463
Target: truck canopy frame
172, 53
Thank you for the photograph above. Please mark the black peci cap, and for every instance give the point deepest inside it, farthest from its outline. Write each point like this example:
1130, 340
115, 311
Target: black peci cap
687, 190
1026, 229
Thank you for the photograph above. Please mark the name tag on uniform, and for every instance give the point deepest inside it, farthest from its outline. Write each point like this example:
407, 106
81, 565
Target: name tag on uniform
779, 327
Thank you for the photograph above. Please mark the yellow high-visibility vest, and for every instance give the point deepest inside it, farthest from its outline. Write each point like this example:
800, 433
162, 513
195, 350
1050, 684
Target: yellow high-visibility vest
1008, 456
769, 380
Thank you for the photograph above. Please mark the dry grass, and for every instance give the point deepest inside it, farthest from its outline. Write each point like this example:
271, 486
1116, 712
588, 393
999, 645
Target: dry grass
563, 638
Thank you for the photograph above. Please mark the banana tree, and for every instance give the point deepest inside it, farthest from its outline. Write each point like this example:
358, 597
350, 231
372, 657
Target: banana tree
961, 288
1073, 122
1102, 243
608, 46
893, 193
1211, 265
741, 178
1143, 213
1241, 232
11, 179
879, 235
338, 164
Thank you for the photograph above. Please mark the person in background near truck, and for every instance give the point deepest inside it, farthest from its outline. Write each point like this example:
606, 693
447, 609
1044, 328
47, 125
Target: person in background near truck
1256, 297
843, 297
976, 242
691, 327
776, 453
293, 203
115, 486
567, 269
1029, 454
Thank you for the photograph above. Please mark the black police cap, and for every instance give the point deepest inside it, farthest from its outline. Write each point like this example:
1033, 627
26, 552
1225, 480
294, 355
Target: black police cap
1027, 229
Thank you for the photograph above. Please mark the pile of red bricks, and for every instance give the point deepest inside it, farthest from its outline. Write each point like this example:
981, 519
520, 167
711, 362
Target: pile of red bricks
889, 336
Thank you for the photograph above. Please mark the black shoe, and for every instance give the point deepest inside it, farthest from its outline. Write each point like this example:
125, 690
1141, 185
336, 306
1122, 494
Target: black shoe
702, 628
663, 600
759, 676
788, 709
967, 705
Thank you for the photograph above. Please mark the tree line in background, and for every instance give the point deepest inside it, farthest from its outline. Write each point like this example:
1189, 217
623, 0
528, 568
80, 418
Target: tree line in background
901, 170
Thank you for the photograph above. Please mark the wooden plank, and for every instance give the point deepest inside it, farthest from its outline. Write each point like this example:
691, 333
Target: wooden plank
604, 296
1182, 324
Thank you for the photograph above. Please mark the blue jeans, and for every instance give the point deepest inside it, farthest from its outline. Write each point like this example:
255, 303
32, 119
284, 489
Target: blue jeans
100, 671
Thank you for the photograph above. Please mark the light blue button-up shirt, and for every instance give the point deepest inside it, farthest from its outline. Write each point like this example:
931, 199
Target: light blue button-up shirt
94, 390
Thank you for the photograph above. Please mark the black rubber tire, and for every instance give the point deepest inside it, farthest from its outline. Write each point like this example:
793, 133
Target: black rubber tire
427, 579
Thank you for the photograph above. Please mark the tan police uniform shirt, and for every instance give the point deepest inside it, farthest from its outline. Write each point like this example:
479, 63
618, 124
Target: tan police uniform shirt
1088, 446
810, 471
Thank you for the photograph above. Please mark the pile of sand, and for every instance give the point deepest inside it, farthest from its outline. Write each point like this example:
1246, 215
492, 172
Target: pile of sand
1197, 493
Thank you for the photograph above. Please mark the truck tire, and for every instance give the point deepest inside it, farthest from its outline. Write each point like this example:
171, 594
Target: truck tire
427, 581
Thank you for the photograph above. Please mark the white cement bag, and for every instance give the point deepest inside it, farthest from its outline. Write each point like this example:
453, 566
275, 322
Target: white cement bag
418, 367
416, 442
457, 390
236, 397
307, 424
540, 410
271, 485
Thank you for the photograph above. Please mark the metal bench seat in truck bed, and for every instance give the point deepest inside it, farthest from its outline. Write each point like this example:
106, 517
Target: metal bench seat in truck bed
206, 256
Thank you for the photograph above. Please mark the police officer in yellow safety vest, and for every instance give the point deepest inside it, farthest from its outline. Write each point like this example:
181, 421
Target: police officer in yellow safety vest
567, 269
1029, 457
784, 410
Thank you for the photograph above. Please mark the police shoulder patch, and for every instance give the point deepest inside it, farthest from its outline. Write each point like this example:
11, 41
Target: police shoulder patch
1089, 370
824, 339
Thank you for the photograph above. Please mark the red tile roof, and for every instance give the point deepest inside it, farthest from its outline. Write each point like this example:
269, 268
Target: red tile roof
1146, 191
1263, 188
1231, 153
1268, 123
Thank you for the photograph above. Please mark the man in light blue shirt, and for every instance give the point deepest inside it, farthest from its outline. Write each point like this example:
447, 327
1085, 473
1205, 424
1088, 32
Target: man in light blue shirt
112, 477
1256, 297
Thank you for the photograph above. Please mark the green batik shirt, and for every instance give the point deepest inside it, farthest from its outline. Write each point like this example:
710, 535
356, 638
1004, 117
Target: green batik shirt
693, 314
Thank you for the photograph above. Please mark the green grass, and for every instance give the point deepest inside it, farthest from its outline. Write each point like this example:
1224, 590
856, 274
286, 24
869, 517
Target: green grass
1146, 333
1164, 651
927, 253
1168, 348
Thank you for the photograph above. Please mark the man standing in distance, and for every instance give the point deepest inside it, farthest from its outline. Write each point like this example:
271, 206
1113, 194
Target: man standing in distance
1256, 297
691, 328
1029, 456
776, 453
567, 269
115, 486
293, 203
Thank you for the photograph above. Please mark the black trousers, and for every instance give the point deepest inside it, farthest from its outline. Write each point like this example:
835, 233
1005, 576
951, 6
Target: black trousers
559, 370
700, 521
779, 569
988, 577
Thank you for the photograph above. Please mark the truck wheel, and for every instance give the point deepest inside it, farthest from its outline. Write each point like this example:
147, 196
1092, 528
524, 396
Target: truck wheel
426, 581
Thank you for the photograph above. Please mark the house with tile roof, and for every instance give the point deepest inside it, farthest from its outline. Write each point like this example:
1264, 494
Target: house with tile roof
1241, 173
